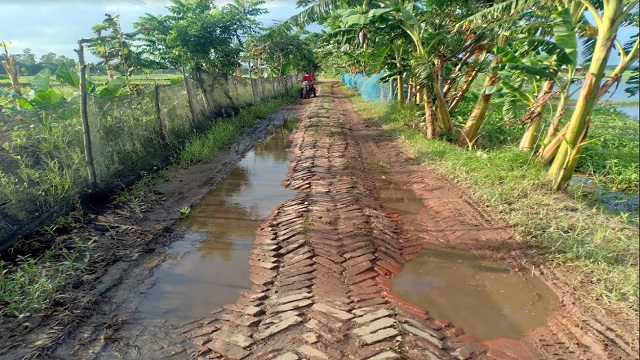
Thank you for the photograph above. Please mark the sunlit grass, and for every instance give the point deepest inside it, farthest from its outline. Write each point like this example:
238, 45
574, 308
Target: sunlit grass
224, 131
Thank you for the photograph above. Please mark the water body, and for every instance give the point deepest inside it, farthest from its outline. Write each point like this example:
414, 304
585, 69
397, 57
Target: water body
476, 294
209, 266
615, 95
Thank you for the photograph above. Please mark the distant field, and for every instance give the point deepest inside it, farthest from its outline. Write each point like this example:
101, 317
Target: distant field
135, 79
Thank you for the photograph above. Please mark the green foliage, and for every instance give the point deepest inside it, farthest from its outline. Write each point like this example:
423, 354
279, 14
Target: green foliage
223, 132
282, 51
200, 34
115, 47
68, 76
611, 154
41, 94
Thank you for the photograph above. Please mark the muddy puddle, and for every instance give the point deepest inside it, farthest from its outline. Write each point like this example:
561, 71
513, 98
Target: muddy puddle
476, 294
209, 266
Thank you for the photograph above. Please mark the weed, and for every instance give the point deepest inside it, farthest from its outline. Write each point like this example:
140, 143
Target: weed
30, 284
184, 212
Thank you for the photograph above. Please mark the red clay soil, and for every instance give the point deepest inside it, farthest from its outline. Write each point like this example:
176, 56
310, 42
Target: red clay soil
321, 266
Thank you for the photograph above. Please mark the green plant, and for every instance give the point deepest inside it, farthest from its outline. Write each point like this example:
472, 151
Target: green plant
222, 133
184, 212
30, 284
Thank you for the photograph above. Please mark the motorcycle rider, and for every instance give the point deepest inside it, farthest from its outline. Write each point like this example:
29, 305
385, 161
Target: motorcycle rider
308, 77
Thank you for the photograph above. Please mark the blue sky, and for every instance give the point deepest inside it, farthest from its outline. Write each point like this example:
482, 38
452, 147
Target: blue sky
56, 25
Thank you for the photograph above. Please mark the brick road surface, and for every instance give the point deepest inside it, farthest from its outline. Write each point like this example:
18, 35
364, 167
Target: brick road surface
322, 265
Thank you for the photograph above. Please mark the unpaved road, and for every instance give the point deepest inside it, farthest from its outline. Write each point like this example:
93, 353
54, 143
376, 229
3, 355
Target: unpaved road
321, 266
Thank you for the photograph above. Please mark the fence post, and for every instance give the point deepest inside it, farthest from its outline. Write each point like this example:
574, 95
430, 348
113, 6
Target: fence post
273, 86
187, 88
253, 89
205, 94
88, 152
163, 135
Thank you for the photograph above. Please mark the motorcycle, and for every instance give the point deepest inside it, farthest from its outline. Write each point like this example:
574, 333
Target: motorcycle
307, 90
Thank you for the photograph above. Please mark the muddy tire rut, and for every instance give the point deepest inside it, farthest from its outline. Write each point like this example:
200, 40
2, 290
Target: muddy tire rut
322, 267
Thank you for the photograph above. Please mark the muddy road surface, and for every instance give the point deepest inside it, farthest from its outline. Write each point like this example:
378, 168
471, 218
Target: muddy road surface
320, 268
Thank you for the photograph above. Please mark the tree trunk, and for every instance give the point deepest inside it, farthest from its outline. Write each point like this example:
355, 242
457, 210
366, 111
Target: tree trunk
625, 61
454, 75
550, 149
528, 141
463, 89
429, 117
107, 66
553, 127
400, 90
12, 71
565, 161
470, 130
442, 110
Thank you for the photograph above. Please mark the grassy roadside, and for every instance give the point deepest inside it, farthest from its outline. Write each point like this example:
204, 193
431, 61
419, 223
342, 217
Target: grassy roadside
565, 228
30, 283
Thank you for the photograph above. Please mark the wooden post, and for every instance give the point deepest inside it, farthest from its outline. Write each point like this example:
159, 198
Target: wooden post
253, 89
187, 88
273, 86
88, 152
205, 94
163, 135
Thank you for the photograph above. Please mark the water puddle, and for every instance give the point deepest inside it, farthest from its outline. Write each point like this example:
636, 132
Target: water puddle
399, 198
209, 266
476, 294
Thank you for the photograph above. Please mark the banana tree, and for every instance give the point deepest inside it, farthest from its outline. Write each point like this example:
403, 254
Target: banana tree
402, 14
539, 62
608, 21
469, 133
373, 34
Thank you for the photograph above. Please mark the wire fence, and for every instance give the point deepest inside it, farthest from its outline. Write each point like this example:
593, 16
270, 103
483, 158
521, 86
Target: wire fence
44, 162
370, 87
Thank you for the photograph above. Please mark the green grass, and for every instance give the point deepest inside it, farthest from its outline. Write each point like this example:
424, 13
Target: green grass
561, 227
30, 284
611, 154
224, 131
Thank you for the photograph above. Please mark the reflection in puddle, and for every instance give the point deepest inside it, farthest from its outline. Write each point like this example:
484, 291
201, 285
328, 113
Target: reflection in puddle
399, 198
210, 266
478, 295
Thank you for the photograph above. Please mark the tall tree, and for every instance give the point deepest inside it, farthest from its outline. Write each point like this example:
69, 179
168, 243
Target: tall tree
198, 34
282, 51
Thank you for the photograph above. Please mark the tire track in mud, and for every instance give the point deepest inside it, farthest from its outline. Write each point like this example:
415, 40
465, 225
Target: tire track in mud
322, 266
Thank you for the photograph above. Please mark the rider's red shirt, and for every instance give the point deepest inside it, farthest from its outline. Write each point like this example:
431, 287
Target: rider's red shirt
307, 78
